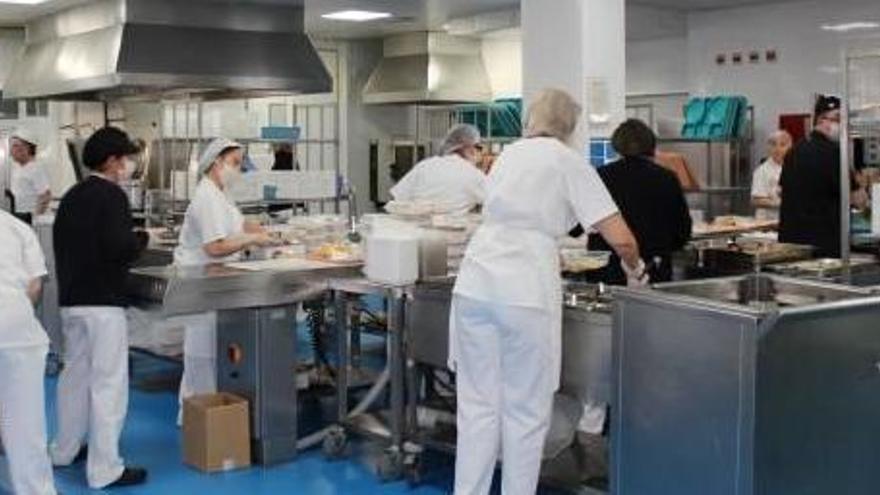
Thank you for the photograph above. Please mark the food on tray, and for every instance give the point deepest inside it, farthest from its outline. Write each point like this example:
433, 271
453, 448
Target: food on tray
336, 252
580, 260
732, 221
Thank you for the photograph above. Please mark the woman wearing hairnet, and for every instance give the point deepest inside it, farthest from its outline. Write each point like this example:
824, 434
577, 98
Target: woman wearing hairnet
450, 180
506, 317
213, 231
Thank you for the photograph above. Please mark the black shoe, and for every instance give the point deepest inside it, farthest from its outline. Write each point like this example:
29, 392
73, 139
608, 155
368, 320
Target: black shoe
130, 476
81, 456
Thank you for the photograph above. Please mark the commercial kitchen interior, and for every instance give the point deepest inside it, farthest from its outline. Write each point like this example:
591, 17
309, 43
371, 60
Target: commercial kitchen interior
707, 394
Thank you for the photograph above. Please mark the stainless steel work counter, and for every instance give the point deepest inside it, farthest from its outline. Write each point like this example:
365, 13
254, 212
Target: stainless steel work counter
189, 290
256, 339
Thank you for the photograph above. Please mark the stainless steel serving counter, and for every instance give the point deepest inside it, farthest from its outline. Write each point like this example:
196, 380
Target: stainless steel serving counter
755, 385
586, 359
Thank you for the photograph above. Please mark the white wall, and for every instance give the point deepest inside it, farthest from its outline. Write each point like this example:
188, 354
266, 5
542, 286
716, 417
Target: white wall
809, 58
657, 66
502, 56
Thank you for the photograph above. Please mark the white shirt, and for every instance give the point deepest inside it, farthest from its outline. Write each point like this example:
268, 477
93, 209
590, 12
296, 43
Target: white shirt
211, 216
21, 260
27, 183
765, 184
450, 181
539, 189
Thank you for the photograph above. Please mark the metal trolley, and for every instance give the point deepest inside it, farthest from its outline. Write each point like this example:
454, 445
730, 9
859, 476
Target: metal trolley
387, 425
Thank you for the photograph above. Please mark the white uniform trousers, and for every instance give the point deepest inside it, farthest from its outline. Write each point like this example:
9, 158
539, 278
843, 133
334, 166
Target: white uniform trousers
505, 385
23, 419
199, 356
93, 391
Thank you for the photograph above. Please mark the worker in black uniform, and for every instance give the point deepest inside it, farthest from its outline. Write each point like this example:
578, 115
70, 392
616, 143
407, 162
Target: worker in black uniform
651, 201
810, 182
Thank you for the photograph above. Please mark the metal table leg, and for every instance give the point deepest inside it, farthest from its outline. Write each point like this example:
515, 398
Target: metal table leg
395, 363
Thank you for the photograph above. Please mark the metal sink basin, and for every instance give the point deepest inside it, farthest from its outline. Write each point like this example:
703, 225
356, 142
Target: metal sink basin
761, 291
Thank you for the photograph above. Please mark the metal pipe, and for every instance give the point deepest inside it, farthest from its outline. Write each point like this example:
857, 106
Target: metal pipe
845, 154
368, 400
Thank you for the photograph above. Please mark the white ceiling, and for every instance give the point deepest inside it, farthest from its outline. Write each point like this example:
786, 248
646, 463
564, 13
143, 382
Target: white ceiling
409, 14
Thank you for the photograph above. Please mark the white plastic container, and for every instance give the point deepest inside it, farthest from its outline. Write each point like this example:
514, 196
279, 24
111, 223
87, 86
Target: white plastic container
392, 254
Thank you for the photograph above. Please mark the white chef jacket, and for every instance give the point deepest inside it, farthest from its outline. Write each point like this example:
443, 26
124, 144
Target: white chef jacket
21, 260
765, 184
451, 182
27, 183
211, 216
539, 189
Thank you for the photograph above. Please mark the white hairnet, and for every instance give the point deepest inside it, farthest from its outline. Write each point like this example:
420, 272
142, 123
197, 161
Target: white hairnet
552, 113
27, 135
214, 149
460, 136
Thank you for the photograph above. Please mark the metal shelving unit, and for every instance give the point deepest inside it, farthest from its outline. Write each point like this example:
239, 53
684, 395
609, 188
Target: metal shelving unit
861, 122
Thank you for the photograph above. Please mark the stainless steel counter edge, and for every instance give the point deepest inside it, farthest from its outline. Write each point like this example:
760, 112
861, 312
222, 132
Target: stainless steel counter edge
214, 287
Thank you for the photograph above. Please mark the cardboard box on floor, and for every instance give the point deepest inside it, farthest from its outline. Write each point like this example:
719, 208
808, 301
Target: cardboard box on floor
216, 432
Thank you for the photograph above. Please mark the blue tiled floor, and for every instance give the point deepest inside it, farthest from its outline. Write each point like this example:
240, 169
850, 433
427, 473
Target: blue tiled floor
151, 440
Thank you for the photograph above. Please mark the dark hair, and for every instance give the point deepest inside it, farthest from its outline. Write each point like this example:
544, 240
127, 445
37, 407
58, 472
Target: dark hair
634, 138
106, 143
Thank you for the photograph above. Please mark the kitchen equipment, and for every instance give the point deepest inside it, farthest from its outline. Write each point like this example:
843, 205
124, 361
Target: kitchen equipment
433, 254
757, 385
743, 256
392, 254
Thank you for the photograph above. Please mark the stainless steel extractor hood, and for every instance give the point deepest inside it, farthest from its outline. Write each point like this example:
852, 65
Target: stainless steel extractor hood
150, 49
429, 68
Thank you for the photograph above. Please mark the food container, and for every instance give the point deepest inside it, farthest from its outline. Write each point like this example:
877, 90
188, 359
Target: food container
392, 254
579, 260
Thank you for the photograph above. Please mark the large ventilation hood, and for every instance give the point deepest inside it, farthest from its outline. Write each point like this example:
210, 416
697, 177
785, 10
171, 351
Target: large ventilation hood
429, 68
152, 49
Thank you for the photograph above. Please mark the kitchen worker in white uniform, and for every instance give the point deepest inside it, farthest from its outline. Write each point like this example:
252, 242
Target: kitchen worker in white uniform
506, 317
766, 193
451, 180
23, 348
28, 179
214, 231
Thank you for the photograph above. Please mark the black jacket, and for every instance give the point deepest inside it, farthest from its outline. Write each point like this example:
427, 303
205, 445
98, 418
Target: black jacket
94, 244
651, 201
810, 210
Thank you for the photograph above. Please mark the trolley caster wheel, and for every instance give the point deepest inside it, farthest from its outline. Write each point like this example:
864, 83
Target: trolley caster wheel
414, 469
335, 444
390, 467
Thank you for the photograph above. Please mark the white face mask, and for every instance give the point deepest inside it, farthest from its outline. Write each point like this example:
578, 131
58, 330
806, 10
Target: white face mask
130, 168
834, 131
229, 174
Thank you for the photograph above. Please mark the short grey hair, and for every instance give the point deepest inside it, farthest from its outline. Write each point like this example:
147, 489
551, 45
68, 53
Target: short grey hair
460, 136
779, 134
552, 113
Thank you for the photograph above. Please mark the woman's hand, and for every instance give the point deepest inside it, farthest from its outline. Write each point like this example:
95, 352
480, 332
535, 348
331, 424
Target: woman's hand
636, 277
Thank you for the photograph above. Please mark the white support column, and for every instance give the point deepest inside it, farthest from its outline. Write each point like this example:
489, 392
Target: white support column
578, 46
